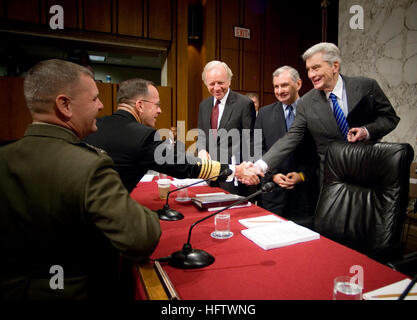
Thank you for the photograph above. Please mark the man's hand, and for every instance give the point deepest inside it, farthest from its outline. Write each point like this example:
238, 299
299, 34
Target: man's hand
248, 173
287, 182
357, 134
204, 155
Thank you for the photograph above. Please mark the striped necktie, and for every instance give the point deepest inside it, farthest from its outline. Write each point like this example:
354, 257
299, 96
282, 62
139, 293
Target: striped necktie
340, 116
290, 117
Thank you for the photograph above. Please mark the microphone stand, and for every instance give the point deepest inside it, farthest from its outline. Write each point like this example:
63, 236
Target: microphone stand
169, 214
189, 258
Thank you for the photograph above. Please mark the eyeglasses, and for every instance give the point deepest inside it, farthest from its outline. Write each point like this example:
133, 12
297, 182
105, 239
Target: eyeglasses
158, 104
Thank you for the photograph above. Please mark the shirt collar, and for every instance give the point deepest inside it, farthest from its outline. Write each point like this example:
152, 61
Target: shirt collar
223, 100
294, 105
338, 89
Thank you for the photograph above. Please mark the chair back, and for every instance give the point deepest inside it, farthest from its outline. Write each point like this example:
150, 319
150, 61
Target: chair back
364, 196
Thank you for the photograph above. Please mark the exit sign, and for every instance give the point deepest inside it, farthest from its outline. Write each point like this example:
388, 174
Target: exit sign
242, 32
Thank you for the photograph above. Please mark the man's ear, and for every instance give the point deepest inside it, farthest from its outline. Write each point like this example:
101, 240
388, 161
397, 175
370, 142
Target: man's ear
299, 84
63, 105
336, 66
139, 106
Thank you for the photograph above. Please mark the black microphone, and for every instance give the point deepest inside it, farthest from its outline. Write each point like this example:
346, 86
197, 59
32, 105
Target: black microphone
169, 214
189, 258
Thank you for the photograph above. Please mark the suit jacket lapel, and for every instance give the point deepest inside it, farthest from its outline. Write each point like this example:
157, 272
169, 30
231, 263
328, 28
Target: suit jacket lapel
228, 108
208, 107
279, 118
325, 115
352, 93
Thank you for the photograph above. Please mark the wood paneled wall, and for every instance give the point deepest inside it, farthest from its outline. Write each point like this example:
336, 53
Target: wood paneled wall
15, 116
149, 19
280, 32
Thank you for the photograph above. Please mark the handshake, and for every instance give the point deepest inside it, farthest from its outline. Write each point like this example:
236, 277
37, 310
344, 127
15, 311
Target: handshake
249, 173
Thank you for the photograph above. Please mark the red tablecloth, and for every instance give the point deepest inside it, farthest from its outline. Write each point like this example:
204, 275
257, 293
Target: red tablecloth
242, 270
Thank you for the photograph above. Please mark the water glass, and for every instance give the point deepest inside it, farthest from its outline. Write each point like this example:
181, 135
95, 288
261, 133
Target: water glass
345, 288
222, 226
182, 195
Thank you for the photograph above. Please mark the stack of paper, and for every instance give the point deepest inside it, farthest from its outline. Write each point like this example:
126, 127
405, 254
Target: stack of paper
392, 292
273, 235
260, 221
176, 182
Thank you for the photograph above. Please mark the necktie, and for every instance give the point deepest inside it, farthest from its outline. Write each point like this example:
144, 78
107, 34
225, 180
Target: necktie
290, 117
340, 117
215, 117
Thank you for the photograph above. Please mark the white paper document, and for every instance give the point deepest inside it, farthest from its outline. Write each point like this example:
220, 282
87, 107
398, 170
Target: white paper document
392, 292
260, 221
276, 235
234, 207
147, 178
177, 182
199, 195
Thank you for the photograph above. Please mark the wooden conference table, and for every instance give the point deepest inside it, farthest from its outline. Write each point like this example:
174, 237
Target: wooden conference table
244, 271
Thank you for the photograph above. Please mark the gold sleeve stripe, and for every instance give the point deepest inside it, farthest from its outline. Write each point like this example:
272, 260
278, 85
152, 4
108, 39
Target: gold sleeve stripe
215, 171
206, 169
209, 169
203, 169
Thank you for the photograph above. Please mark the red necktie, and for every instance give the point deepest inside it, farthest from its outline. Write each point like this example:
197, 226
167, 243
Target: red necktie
215, 117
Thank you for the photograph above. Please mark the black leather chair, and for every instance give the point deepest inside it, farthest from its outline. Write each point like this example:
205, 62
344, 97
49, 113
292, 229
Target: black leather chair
364, 196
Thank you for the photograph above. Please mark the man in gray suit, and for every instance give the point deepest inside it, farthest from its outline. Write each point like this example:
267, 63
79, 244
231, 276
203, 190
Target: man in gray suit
337, 108
225, 120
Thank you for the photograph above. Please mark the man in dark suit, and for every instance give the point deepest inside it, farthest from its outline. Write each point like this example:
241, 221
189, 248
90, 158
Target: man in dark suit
129, 137
65, 215
337, 108
275, 120
225, 122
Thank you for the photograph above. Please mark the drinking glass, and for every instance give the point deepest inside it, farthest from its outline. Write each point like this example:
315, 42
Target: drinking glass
182, 195
163, 187
222, 226
345, 288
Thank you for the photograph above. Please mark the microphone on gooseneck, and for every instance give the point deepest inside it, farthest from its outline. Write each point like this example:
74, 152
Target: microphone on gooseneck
169, 214
189, 258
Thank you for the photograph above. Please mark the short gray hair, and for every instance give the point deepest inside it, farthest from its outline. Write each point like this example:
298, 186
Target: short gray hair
131, 89
49, 78
295, 76
253, 95
331, 52
213, 64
